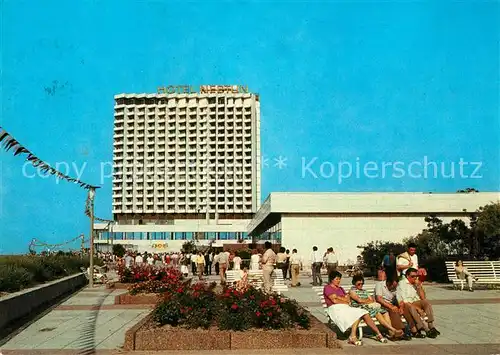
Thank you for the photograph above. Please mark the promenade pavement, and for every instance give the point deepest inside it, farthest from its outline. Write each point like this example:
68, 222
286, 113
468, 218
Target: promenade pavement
88, 320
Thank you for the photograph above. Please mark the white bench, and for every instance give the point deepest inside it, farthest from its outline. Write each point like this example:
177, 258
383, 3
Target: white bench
99, 275
362, 324
255, 278
487, 272
278, 281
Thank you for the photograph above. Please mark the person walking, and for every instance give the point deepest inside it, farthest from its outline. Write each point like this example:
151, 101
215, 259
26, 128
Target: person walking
200, 265
281, 261
288, 272
216, 263
223, 262
208, 263
389, 265
295, 267
237, 262
255, 260
316, 263
268, 261
331, 260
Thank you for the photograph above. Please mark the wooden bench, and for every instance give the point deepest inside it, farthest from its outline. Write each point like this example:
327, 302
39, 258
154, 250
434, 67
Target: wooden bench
362, 324
487, 272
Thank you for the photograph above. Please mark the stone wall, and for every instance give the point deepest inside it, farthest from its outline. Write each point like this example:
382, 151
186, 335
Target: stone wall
20, 304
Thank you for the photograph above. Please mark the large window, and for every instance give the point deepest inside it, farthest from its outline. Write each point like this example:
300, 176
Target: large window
159, 235
105, 235
211, 235
129, 235
179, 236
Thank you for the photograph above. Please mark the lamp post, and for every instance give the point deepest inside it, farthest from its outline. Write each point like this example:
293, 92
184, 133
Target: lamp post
91, 250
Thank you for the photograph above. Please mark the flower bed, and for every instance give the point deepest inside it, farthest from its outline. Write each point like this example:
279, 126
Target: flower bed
146, 282
147, 336
195, 317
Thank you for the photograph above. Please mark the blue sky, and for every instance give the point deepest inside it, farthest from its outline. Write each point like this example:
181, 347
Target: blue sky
339, 81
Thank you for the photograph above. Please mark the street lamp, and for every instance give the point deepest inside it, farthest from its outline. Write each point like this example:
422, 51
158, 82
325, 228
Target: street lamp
91, 250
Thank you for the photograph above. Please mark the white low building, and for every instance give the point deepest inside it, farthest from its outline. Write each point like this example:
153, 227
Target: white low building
346, 220
156, 237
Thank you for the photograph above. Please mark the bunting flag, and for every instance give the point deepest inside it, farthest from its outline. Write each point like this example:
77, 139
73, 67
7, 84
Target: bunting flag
37, 243
10, 143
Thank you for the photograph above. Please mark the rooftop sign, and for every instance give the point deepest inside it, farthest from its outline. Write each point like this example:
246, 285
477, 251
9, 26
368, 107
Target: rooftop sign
203, 89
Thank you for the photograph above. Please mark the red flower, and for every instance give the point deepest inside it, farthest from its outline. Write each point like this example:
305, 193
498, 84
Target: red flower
179, 290
234, 306
257, 314
270, 314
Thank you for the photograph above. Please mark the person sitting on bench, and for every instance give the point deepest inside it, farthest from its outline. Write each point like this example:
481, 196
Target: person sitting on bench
361, 298
464, 274
342, 314
410, 294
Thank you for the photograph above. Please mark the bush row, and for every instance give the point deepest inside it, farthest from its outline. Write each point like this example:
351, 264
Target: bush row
200, 306
21, 271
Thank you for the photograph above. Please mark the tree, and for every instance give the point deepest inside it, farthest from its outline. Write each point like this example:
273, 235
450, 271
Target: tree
189, 247
488, 228
118, 250
467, 191
374, 252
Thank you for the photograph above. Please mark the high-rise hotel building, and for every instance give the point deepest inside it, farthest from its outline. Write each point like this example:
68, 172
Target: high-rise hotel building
186, 166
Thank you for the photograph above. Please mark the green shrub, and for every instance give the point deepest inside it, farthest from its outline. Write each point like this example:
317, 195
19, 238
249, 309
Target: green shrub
436, 269
20, 271
14, 278
119, 250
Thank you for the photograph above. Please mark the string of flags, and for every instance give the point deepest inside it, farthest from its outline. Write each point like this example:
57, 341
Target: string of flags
8, 142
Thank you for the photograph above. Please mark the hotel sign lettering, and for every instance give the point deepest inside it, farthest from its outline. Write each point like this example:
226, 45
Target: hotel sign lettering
159, 245
203, 89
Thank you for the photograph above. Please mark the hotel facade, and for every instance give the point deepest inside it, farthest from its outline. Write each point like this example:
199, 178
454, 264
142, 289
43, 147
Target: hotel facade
186, 167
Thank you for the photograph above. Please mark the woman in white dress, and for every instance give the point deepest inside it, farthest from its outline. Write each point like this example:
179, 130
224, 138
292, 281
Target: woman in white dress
342, 314
255, 260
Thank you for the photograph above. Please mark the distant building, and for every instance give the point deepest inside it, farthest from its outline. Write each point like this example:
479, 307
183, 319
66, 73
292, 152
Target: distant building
346, 220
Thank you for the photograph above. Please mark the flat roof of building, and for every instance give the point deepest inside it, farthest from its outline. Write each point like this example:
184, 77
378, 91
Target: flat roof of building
303, 203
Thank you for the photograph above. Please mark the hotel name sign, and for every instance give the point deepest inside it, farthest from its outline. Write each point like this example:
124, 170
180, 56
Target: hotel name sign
203, 89
159, 246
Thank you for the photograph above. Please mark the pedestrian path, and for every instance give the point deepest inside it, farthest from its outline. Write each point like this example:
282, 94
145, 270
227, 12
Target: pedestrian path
89, 320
